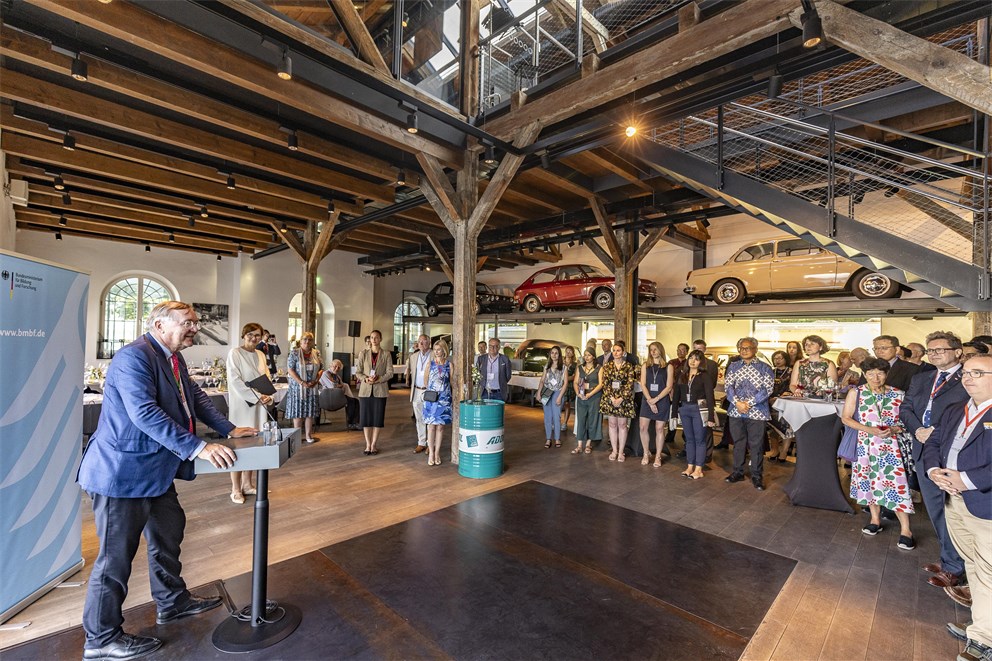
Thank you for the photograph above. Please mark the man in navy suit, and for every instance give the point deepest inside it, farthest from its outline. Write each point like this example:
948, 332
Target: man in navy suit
930, 392
901, 371
496, 372
958, 459
144, 440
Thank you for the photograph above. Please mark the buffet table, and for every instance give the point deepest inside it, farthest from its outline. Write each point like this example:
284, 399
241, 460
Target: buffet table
816, 482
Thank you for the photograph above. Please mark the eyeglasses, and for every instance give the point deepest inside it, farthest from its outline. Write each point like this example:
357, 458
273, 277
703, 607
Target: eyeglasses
189, 325
975, 374
747, 347
937, 351
889, 346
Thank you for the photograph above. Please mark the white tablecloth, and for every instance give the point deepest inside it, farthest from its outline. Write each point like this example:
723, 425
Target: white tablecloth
797, 412
527, 382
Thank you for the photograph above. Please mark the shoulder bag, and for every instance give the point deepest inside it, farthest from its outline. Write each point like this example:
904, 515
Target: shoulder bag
430, 395
848, 449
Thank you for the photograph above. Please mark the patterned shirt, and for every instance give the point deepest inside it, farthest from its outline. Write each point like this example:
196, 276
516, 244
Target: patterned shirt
749, 382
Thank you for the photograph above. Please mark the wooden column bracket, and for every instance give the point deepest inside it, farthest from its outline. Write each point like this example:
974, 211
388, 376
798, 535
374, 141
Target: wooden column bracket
609, 237
290, 239
358, 34
602, 255
446, 265
318, 250
441, 187
652, 239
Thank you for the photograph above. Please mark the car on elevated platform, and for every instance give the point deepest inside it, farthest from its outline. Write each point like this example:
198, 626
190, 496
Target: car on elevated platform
785, 268
575, 285
442, 298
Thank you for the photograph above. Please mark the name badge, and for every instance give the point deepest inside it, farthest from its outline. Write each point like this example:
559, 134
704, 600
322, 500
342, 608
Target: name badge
616, 385
654, 387
372, 372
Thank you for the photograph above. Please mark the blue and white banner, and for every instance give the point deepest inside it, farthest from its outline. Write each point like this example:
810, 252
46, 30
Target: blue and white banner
42, 335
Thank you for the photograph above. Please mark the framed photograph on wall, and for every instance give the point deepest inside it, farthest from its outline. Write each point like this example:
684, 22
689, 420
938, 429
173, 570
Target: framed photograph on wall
214, 323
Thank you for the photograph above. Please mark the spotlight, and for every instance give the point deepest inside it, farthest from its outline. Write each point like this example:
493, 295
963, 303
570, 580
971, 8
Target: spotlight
490, 158
58, 236
292, 142
218, 257
571, 243
191, 221
203, 211
330, 207
148, 248
812, 26
66, 198
78, 70
230, 182
106, 2
400, 178
59, 183
275, 238
283, 228
412, 124
240, 248
644, 232
545, 160
62, 221
630, 131
705, 222
68, 142
172, 237
285, 70
774, 86
427, 268
406, 19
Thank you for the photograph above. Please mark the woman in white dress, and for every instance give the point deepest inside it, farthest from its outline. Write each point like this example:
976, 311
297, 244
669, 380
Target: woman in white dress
245, 363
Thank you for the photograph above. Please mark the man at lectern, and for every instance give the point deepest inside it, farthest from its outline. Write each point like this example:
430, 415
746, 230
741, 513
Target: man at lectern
144, 440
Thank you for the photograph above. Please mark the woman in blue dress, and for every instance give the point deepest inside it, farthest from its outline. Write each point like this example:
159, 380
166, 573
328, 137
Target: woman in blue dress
304, 367
657, 381
437, 413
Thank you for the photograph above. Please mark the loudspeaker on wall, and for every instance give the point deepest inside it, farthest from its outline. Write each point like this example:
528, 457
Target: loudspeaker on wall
354, 329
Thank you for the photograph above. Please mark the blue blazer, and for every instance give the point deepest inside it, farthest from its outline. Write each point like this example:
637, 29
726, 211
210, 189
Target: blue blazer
915, 403
975, 457
142, 441
504, 370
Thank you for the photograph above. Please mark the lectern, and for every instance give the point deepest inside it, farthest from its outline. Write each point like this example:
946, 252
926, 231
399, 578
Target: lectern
264, 623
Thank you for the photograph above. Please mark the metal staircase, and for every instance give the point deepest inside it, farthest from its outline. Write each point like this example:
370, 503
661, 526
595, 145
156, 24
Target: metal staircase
914, 209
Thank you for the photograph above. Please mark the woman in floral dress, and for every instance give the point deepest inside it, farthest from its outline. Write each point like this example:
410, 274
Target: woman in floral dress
878, 477
617, 404
437, 414
807, 373
304, 367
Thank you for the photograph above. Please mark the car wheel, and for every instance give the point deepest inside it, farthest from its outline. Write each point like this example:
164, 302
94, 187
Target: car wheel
432, 310
870, 285
729, 292
603, 299
532, 304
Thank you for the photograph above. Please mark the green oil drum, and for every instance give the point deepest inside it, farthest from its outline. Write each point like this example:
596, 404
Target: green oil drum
480, 439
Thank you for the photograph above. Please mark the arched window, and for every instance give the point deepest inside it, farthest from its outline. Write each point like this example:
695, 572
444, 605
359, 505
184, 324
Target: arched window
126, 304
406, 333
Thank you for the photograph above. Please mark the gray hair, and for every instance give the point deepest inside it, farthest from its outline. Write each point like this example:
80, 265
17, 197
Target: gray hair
747, 339
951, 338
163, 311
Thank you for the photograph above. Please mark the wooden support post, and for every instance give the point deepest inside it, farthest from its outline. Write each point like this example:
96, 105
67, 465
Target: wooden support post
625, 296
310, 284
981, 323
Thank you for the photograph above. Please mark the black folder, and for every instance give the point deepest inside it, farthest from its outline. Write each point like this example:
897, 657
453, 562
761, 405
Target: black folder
262, 385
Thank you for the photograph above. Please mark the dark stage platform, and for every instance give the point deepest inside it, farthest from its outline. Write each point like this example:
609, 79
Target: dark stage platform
529, 572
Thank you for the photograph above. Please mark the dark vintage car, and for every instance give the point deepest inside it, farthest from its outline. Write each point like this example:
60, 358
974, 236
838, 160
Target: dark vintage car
574, 285
533, 354
441, 299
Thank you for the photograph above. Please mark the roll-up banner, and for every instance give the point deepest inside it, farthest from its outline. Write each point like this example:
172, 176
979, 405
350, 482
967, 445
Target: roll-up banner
42, 335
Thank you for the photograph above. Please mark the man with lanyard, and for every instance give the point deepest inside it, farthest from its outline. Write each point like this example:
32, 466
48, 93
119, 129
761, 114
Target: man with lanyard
748, 383
416, 365
958, 458
496, 373
144, 441
930, 393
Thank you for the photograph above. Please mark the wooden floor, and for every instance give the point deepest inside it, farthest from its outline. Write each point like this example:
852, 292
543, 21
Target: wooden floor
849, 597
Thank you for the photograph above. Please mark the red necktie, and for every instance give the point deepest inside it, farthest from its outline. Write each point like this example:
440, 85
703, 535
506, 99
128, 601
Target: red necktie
174, 359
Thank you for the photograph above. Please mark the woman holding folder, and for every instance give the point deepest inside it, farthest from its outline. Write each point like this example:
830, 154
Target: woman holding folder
246, 408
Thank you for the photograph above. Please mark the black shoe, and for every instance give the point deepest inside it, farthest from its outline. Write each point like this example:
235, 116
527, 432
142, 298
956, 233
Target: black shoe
758, 484
872, 529
194, 606
125, 646
681, 454
906, 543
888, 514
734, 477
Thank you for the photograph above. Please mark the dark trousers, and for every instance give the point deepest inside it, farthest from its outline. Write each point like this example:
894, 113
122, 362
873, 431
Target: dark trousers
119, 525
748, 434
351, 410
950, 560
694, 433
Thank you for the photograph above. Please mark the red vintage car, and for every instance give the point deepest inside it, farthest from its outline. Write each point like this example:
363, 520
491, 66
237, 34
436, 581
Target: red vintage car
574, 285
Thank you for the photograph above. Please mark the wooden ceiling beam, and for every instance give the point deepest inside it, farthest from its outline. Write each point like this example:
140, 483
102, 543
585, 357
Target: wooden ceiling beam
108, 228
19, 87
105, 75
715, 37
616, 164
132, 24
358, 34
53, 154
548, 177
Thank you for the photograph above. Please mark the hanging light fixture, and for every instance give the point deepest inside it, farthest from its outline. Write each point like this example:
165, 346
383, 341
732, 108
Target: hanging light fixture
58, 236
490, 157
230, 182
400, 178
406, 19
190, 220
66, 198
412, 123
812, 26
218, 257
285, 70
172, 237
292, 142
68, 142
630, 131
148, 248
330, 207
283, 228
775, 85
203, 211
62, 221
545, 160
78, 69
59, 182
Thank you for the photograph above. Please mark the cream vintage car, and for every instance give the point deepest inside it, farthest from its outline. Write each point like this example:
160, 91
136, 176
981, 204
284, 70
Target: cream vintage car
781, 268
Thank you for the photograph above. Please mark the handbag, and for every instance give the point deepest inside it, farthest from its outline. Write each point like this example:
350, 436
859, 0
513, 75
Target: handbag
430, 395
848, 449
546, 395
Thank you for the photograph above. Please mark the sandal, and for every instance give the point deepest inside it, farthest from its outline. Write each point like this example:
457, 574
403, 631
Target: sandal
547, 444
657, 460
613, 456
621, 458
577, 450
238, 498
250, 491
557, 444
588, 450
373, 452
645, 461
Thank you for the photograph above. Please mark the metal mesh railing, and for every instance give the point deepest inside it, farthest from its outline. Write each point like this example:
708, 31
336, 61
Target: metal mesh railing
931, 197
